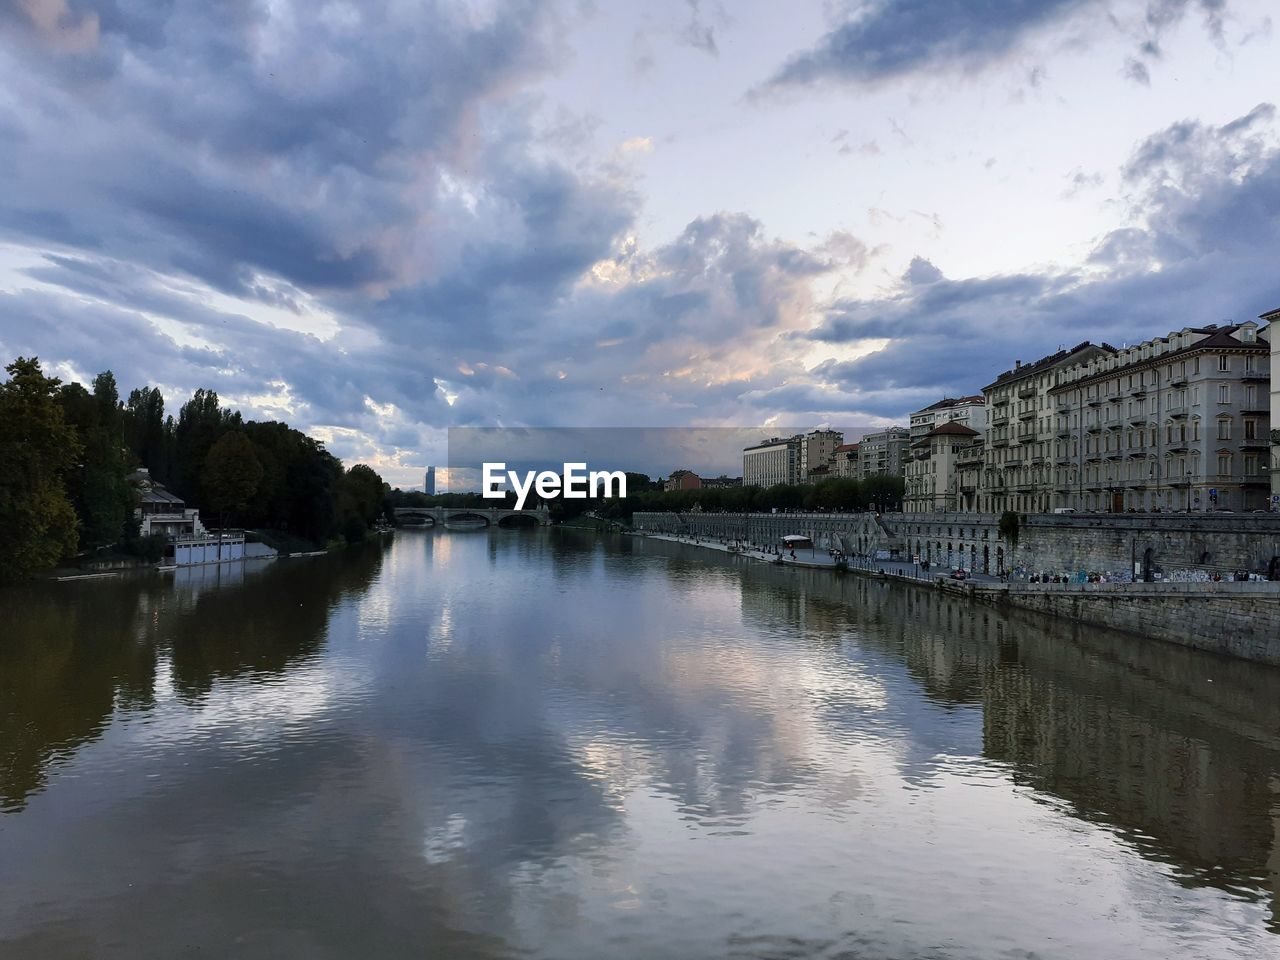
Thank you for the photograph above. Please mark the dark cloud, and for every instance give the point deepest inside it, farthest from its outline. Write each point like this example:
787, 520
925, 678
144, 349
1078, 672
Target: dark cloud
885, 40
889, 39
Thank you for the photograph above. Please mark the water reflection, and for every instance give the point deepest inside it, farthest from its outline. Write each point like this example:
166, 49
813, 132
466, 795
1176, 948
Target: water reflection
537, 743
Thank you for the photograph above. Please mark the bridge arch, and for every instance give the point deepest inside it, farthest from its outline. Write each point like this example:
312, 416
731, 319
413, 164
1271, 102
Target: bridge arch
467, 517
514, 521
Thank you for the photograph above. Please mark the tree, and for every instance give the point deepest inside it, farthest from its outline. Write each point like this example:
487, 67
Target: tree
231, 474
99, 486
1009, 528
37, 450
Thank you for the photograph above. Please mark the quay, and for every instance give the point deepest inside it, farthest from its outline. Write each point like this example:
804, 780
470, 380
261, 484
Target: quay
1239, 619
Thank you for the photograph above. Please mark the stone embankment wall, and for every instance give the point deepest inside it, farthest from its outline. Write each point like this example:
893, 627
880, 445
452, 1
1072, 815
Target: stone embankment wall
1235, 619
1048, 542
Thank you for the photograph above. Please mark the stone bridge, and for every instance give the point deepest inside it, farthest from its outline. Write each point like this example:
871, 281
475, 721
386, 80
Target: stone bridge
470, 516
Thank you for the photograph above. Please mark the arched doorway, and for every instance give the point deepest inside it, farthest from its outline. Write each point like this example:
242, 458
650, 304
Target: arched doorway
986, 558
1148, 564
1273, 569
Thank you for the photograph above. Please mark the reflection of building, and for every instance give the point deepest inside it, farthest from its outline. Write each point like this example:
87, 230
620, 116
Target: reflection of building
682, 480
162, 512
429, 482
771, 462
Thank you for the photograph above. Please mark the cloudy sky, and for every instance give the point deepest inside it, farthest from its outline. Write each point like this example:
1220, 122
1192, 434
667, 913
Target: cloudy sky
382, 218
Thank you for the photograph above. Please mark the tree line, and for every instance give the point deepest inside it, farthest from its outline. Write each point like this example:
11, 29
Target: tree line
67, 452
645, 494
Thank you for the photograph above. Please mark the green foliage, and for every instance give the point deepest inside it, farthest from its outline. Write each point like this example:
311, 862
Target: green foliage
1009, 528
38, 449
231, 473
99, 487
66, 453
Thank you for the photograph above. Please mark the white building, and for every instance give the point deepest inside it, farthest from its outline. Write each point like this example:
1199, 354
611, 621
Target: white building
1271, 317
883, 453
772, 462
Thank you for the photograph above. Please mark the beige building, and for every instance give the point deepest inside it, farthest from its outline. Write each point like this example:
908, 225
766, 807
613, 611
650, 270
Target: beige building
844, 461
968, 411
884, 453
1274, 332
932, 469
1021, 431
816, 451
772, 462
1177, 423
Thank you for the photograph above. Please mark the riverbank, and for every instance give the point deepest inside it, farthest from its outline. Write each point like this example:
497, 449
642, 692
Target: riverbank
1233, 619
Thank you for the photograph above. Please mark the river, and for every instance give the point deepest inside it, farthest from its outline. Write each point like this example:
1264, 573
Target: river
541, 744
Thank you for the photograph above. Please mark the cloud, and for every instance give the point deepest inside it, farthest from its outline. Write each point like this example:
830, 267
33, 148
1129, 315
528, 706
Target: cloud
885, 40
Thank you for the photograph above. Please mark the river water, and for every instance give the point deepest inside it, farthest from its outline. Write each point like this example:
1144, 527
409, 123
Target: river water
541, 744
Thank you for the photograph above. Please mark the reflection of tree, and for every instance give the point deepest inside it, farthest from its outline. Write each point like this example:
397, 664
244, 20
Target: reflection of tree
72, 653
68, 655
266, 623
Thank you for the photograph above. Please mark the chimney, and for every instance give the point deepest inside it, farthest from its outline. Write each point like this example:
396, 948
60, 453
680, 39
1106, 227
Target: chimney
1017, 364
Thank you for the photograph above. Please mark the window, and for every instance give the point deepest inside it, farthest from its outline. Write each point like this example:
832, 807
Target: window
1251, 465
1251, 397
1224, 429
1224, 464
1224, 391
1251, 429
1224, 363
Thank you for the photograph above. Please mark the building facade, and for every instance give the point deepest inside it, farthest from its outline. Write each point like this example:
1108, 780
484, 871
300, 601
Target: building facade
429, 482
844, 461
1271, 317
817, 447
968, 411
772, 462
932, 469
1021, 430
1177, 423
682, 480
883, 453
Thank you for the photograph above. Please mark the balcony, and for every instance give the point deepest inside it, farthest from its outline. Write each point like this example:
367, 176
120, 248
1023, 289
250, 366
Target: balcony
1029, 390
1027, 437
1026, 414
999, 401
1094, 401
1255, 443
1093, 428
1179, 380
1178, 446
1063, 433
1178, 412
1138, 393
1138, 419
1252, 376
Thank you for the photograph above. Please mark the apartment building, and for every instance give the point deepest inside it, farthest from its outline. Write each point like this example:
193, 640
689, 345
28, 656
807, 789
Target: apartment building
1271, 317
682, 480
932, 468
844, 461
817, 447
771, 462
1176, 423
883, 453
1018, 472
968, 411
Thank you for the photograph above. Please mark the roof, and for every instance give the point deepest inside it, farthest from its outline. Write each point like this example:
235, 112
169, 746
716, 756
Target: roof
1270, 315
1218, 337
1047, 363
845, 448
952, 429
159, 494
953, 402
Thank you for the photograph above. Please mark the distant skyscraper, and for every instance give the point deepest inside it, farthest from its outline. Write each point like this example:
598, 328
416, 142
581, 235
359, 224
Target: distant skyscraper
429, 484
